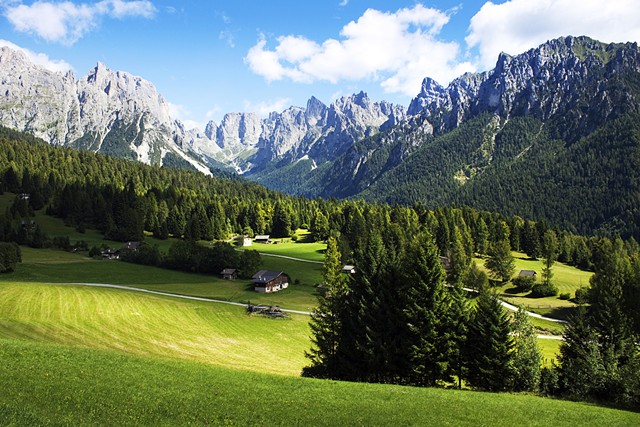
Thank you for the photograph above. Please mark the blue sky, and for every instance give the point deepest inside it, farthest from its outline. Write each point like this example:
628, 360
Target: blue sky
208, 58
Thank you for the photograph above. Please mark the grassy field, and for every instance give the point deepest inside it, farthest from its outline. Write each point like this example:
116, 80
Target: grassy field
150, 325
566, 278
45, 384
53, 266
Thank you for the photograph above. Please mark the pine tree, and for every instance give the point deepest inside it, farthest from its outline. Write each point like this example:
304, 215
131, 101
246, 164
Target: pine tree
456, 327
500, 261
581, 371
550, 254
426, 310
326, 320
527, 357
489, 346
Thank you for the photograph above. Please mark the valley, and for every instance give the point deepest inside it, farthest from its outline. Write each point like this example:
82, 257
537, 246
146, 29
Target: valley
518, 184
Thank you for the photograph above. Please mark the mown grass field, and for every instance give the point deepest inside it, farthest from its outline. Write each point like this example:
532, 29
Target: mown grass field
47, 384
149, 325
566, 278
54, 266
75, 355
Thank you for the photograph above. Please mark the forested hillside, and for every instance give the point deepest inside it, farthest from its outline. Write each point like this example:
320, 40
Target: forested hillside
517, 167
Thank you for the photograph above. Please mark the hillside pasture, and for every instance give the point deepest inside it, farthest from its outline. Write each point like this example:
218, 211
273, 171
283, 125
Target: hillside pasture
150, 325
566, 278
45, 384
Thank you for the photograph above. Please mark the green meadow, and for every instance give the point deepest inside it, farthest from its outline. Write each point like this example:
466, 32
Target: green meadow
78, 355
48, 384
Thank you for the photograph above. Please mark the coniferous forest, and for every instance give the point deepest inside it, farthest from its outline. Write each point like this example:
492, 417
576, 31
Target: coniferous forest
403, 317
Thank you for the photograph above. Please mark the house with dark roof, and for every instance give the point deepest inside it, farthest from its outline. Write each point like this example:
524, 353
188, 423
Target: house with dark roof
527, 273
229, 273
270, 281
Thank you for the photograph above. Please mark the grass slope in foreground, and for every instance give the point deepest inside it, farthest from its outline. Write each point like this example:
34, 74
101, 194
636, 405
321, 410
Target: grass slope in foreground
48, 384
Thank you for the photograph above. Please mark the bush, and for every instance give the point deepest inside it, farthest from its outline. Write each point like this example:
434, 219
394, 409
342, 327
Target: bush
582, 295
62, 242
541, 290
10, 256
565, 296
524, 283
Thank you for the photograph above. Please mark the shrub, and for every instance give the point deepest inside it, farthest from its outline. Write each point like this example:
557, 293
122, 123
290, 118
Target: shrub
62, 242
565, 296
524, 283
541, 290
94, 251
582, 295
10, 256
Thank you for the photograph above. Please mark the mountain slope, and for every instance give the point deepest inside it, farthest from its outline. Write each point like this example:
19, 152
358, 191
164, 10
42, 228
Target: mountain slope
106, 111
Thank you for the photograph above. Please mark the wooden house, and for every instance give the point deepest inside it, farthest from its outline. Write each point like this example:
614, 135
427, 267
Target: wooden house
270, 281
528, 273
262, 239
229, 273
132, 246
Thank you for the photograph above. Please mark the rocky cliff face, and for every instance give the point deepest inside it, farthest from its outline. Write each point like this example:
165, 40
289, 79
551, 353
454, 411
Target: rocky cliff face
568, 77
317, 132
111, 112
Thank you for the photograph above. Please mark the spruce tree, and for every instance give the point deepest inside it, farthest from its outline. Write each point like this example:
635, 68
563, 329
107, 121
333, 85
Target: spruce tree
426, 311
581, 372
527, 357
489, 347
550, 254
500, 261
326, 320
456, 327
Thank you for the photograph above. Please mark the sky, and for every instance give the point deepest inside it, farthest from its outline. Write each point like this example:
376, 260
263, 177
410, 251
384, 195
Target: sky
208, 58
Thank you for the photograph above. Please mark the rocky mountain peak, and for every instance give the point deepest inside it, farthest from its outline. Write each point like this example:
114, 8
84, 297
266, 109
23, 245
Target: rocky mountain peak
546, 82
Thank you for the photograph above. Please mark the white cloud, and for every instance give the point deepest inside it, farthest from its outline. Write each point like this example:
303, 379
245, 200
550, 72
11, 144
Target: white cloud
41, 59
344, 2
66, 22
182, 113
263, 108
395, 49
518, 25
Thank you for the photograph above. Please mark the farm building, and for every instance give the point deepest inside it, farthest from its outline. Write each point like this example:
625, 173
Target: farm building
270, 281
229, 273
132, 246
348, 269
262, 239
246, 241
110, 254
527, 273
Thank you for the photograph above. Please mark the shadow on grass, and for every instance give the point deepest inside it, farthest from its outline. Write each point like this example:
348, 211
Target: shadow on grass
513, 291
563, 313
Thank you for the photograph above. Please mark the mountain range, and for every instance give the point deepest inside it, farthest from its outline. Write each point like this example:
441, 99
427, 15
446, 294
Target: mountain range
543, 132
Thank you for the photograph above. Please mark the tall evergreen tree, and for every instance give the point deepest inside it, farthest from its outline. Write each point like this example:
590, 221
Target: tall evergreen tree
581, 372
526, 357
326, 320
426, 310
489, 347
500, 261
550, 254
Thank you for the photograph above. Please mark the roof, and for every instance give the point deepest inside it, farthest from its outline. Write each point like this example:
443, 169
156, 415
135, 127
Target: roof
131, 245
349, 268
527, 273
228, 271
262, 237
265, 276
